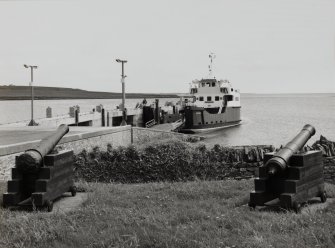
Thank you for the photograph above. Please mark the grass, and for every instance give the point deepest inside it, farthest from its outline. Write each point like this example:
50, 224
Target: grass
189, 214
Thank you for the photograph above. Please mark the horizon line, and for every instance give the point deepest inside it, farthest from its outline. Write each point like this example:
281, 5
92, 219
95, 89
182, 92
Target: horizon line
170, 93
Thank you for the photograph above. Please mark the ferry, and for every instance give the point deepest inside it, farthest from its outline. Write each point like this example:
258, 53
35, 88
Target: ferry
215, 104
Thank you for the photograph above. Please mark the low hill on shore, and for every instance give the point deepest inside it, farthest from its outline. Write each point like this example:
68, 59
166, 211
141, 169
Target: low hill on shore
44, 93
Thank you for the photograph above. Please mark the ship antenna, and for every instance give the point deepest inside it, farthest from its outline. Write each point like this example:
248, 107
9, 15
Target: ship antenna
210, 67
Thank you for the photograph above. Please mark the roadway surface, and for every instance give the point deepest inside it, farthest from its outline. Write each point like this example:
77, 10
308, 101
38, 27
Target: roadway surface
14, 135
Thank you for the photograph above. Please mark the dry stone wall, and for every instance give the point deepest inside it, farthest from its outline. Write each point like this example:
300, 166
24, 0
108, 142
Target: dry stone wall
143, 135
329, 169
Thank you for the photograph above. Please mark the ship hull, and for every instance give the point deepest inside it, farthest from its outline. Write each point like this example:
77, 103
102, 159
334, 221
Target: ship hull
199, 120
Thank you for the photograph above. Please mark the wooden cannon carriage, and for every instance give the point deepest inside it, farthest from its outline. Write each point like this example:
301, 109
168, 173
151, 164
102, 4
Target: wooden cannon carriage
40, 176
290, 177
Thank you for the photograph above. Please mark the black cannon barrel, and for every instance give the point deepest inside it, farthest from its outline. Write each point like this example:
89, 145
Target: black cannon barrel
280, 159
32, 159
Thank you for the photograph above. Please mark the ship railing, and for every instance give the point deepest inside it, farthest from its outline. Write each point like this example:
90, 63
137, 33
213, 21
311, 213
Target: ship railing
189, 104
150, 123
177, 124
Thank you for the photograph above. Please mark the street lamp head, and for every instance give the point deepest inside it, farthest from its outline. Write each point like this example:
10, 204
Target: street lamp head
31, 66
121, 61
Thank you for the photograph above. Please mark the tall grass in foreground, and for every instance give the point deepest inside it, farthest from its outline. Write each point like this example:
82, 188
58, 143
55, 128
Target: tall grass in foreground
191, 214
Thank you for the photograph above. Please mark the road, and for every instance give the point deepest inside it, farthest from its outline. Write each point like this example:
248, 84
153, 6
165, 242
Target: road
14, 135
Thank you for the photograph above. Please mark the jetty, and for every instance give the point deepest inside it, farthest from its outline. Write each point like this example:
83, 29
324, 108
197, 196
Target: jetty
99, 118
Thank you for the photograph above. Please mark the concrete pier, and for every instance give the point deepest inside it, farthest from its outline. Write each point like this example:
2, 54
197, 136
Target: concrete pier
93, 119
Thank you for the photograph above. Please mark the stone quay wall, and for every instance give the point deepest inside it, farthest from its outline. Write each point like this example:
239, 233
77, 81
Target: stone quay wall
115, 136
143, 135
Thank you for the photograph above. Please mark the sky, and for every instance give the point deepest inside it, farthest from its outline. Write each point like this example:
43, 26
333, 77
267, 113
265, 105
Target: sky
261, 46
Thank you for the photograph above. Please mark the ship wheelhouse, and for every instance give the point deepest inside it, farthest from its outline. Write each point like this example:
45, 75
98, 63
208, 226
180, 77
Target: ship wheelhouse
214, 95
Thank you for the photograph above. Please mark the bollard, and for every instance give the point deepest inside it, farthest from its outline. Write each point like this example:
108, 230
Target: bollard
72, 111
99, 108
49, 112
76, 116
157, 111
103, 117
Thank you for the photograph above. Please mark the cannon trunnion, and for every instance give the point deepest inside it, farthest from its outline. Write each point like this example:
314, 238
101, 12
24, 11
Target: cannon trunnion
288, 177
39, 181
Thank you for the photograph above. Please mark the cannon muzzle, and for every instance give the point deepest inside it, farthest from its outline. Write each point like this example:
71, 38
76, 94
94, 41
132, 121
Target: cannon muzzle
279, 161
31, 160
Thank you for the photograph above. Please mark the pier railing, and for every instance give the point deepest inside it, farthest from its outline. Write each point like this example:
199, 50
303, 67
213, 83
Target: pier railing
57, 119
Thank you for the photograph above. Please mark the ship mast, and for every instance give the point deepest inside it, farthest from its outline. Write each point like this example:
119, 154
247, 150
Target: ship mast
212, 56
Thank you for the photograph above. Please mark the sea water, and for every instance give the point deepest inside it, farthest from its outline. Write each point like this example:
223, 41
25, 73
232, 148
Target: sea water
276, 119
266, 119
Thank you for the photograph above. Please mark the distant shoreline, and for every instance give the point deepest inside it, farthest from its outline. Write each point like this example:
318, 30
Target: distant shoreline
17, 93
9, 93
80, 98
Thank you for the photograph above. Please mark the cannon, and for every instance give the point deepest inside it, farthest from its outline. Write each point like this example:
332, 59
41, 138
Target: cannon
278, 163
41, 174
31, 160
290, 177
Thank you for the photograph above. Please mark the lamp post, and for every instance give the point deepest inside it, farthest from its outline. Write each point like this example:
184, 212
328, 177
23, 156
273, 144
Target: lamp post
32, 67
124, 115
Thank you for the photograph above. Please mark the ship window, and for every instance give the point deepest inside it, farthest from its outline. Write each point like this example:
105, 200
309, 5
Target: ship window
213, 84
229, 97
203, 84
209, 98
220, 98
224, 90
232, 89
209, 84
197, 98
201, 98
217, 98
194, 90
